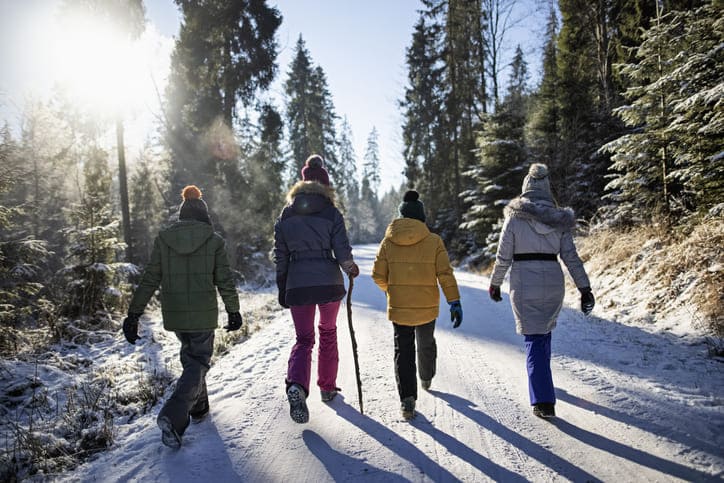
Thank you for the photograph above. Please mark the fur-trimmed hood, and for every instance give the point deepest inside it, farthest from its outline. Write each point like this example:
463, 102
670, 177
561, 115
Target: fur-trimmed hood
312, 188
543, 211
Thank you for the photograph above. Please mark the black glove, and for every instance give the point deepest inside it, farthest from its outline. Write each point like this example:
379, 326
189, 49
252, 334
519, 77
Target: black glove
234, 322
130, 327
587, 300
494, 291
282, 288
282, 297
456, 313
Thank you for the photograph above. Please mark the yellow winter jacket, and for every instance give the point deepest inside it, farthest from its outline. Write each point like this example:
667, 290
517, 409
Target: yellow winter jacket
410, 263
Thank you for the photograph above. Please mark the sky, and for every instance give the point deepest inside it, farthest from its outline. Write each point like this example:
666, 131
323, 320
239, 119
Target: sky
359, 45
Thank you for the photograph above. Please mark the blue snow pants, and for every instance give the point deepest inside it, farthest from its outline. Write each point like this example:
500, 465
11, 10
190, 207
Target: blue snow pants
538, 360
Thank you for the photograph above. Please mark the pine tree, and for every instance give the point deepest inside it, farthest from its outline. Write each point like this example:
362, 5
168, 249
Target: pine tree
329, 119
669, 162
585, 99
251, 206
88, 280
463, 76
423, 111
147, 207
267, 165
45, 151
577, 84
503, 157
542, 129
698, 121
23, 294
371, 166
310, 114
369, 222
347, 186
224, 55
443, 107
389, 206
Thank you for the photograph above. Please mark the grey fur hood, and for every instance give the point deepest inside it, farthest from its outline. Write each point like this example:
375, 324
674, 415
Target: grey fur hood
561, 219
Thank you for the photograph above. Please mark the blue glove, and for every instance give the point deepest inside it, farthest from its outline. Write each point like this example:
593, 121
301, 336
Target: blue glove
456, 313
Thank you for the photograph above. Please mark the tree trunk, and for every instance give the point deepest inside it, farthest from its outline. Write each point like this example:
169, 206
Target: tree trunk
664, 152
228, 83
123, 186
481, 54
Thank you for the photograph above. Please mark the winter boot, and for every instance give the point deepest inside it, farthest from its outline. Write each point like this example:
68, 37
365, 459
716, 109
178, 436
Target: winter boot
297, 404
425, 384
199, 412
198, 416
169, 436
544, 410
408, 407
328, 395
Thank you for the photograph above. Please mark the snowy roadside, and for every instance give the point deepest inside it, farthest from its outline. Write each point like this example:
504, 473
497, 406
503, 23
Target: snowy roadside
634, 404
81, 396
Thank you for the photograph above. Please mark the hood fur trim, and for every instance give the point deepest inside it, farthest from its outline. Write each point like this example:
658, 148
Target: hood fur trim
562, 219
310, 187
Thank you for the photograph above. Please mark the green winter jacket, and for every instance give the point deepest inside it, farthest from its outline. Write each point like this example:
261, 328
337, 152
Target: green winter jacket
189, 261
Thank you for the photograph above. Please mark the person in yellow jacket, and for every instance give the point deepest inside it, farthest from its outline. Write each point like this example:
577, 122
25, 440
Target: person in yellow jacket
410, 264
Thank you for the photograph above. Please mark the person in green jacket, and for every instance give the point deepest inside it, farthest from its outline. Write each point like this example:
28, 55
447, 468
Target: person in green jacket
190, 263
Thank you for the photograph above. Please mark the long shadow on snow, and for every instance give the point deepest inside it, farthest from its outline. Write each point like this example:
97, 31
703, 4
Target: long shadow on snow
623, 348
464, 452
412, 453
203, 450
632, 454
650, 426
534, 450
342, 467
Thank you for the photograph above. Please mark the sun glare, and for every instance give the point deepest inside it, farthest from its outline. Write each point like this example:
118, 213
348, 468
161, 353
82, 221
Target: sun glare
98, 66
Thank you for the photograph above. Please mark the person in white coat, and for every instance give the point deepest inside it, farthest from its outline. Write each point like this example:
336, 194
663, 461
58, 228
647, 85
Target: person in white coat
535, 234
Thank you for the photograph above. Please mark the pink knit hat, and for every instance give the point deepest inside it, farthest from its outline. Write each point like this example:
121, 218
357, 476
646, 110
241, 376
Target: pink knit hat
313, 170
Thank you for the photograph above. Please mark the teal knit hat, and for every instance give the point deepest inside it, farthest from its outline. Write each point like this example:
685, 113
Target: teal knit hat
412, 207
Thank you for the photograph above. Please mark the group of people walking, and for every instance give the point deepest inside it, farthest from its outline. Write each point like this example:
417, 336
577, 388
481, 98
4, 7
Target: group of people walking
311, 252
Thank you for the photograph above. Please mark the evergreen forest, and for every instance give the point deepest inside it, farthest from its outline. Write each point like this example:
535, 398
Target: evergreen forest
627, 112
628, 115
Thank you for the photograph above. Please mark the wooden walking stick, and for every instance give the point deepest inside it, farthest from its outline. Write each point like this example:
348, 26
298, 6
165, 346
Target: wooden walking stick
354, 344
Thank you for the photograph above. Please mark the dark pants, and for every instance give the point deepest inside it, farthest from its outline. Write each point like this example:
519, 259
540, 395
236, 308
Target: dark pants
190, 392
538, 360
405, 369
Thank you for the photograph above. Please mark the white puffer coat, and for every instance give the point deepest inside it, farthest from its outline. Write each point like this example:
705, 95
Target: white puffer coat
537, 286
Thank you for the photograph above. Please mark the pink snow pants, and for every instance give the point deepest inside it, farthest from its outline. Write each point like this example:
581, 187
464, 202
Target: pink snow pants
300, 360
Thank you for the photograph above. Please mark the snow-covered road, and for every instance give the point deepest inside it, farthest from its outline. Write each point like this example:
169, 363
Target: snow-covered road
633, 406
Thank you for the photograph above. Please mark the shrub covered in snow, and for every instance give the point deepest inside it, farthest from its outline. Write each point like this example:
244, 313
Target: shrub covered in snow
662, 270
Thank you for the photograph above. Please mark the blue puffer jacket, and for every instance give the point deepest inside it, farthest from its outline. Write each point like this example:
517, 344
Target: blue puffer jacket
310, 242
